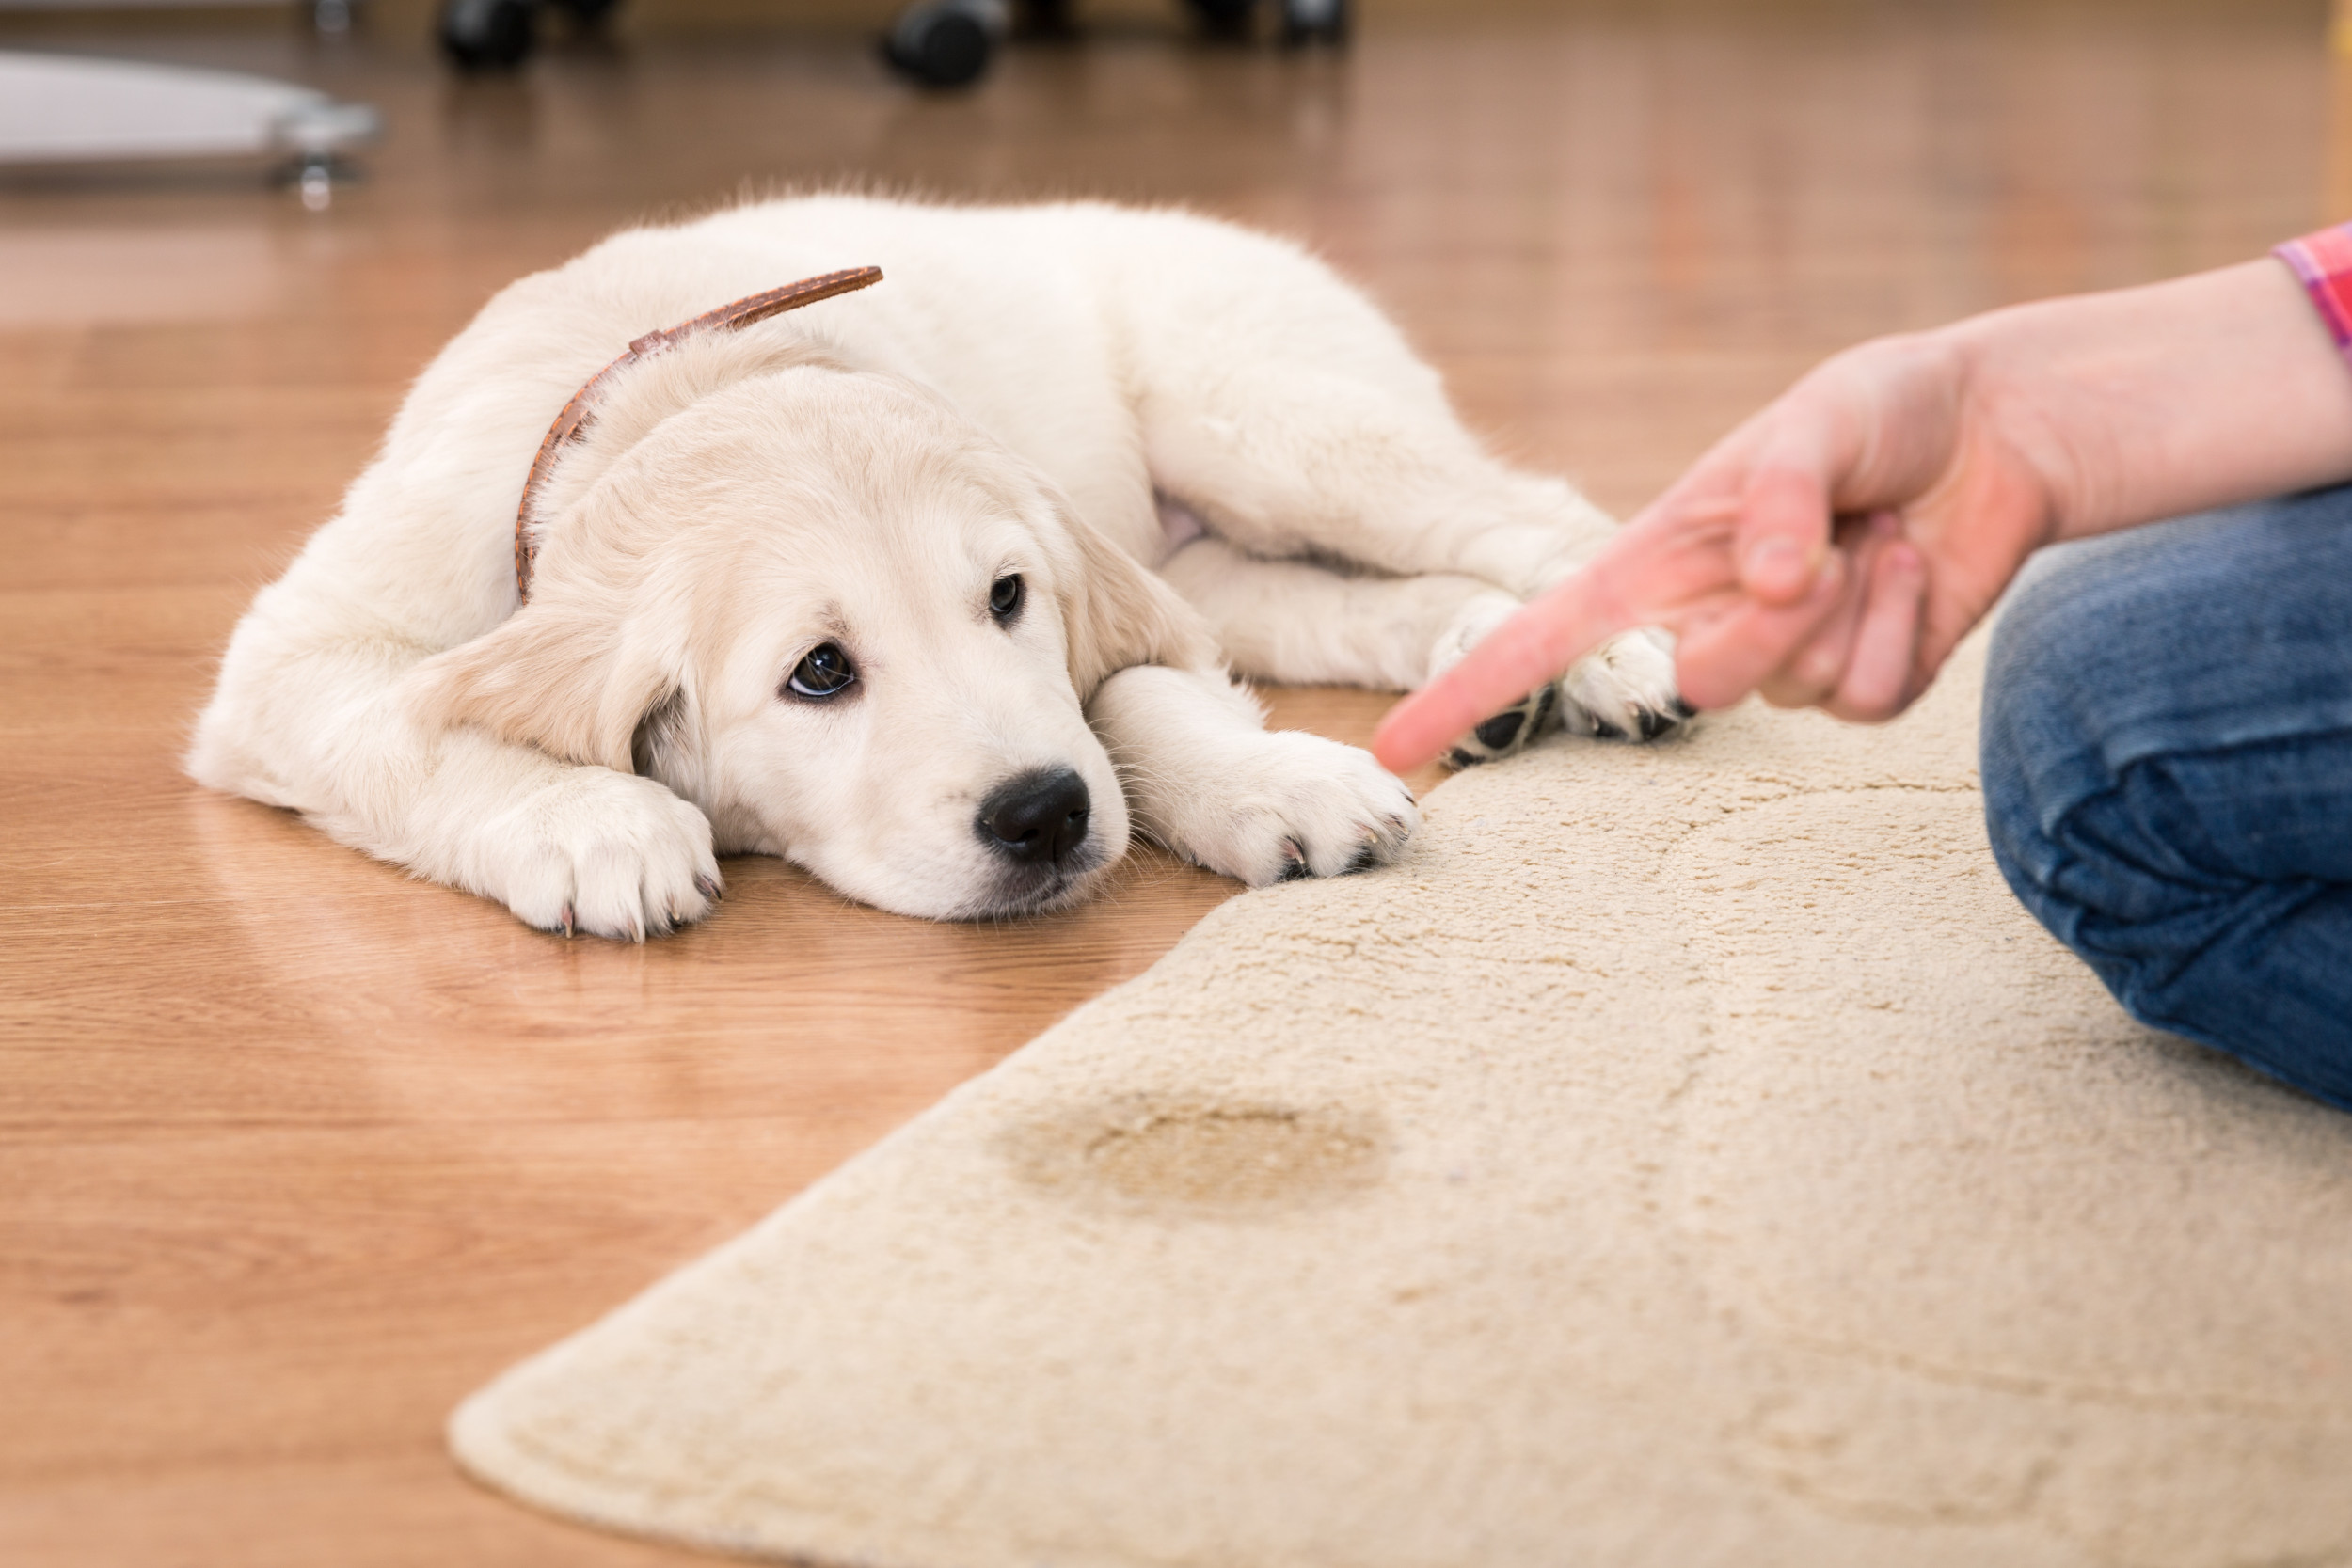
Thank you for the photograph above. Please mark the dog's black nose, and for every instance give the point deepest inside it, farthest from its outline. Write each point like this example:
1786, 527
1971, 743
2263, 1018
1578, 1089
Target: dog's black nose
1037, 818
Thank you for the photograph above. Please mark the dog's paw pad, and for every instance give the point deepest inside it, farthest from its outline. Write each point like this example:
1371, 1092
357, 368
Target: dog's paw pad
1505, 733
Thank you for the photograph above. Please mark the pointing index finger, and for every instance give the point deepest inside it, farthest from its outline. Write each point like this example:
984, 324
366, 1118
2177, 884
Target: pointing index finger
1545, 637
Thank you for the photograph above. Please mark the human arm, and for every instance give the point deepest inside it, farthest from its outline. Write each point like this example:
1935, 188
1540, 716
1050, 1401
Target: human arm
1833, 549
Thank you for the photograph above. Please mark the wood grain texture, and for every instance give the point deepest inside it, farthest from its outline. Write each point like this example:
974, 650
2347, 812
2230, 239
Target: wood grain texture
294, 1151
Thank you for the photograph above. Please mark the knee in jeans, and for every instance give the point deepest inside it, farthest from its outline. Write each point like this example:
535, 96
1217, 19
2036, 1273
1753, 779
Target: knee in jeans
2036, 738
2042, 627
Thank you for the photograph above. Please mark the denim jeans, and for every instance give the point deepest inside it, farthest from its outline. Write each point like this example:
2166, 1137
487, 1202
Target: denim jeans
2168, 774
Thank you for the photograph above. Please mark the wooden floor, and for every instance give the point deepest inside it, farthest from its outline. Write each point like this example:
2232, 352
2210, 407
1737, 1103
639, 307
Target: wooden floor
294, 1152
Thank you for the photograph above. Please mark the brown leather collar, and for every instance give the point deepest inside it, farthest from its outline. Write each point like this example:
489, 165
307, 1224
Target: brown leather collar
570, 424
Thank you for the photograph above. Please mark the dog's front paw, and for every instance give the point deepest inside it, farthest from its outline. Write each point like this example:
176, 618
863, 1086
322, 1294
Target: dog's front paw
1625, 690
603, 852
1298, 805
1500, 734
1505, 733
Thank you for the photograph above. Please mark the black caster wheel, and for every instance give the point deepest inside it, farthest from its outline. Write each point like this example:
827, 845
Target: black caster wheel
588, 15
486, 35
1224, 18
1043, 19
945, 43
1315, 22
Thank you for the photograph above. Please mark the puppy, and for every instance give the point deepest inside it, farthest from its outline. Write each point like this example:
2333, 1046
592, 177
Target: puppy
932, 588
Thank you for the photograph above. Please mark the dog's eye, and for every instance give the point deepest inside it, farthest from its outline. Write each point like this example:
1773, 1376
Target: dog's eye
1005, 596
825, 673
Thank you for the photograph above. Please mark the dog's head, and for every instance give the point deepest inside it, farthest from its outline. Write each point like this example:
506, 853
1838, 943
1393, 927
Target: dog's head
851, 627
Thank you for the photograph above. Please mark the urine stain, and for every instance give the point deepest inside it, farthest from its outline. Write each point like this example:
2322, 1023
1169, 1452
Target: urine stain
1202, 1157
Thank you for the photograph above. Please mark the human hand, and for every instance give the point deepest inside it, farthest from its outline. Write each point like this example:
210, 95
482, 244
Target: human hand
1830, 552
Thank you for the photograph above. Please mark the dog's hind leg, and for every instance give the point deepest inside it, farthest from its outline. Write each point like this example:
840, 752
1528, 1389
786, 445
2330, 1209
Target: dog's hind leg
1303, 623
1291, 416
1287, 459
1308, 625
1283, 460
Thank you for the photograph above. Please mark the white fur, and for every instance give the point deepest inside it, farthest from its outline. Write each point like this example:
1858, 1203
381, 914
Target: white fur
1011, 400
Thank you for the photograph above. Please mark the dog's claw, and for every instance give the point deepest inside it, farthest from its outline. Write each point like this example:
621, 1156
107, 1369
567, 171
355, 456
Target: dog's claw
709, 887
1294, 860
565, 922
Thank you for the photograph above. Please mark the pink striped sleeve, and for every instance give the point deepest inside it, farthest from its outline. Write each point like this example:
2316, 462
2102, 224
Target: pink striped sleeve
2324, 262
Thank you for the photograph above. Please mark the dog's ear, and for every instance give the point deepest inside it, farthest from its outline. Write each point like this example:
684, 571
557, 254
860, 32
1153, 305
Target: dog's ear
1114, 613
578, 686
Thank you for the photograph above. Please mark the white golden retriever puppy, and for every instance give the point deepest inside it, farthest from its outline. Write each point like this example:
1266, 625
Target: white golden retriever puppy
931, 589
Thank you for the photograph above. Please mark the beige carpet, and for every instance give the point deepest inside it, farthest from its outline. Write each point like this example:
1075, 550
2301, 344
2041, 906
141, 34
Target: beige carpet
1691, 1156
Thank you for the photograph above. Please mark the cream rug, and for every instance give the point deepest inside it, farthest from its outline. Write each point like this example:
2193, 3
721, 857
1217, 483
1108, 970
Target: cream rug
1691, 1156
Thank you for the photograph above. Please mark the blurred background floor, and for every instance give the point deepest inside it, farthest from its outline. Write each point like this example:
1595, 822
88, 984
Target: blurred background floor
294, 1152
